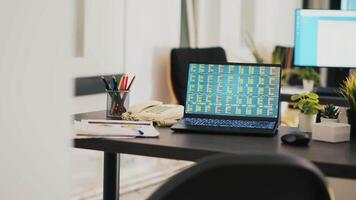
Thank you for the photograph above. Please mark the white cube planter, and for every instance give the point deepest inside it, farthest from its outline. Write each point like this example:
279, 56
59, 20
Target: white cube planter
331, 132
322, 119
308, 85
306, 122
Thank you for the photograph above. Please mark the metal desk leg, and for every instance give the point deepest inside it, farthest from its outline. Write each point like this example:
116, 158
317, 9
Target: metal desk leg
111, 176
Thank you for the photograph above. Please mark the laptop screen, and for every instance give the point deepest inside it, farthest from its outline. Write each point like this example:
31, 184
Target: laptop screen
246, 90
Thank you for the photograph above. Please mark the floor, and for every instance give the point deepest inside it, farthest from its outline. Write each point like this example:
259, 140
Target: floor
143, 193
140, 194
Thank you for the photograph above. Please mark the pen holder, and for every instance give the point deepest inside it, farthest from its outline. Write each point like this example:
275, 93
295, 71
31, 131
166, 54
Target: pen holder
117, 103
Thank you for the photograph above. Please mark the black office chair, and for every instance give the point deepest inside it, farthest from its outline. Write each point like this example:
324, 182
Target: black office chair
252, 177
178, 70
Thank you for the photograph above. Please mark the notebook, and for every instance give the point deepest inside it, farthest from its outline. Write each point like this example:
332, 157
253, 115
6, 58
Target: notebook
115, 129
232, 98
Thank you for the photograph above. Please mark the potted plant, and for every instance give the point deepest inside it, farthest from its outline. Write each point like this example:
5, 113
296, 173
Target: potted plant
330, 113
308, 104
309, 77
348, 90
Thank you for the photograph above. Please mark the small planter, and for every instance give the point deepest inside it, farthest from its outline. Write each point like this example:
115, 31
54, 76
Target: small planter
306, 122
322, 119
331, 132
308, 85
351, 116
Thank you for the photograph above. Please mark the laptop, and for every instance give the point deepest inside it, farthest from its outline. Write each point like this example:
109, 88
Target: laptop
235, 98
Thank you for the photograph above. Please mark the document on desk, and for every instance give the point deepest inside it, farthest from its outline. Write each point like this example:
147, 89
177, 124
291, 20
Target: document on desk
116, 129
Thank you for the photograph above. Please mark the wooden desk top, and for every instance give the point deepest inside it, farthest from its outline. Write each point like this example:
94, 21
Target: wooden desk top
337, 160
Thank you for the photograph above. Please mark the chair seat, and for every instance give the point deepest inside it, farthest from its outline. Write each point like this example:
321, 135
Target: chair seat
251, 177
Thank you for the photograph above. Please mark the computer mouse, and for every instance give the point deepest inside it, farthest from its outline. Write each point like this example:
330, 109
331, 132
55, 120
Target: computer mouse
296, 139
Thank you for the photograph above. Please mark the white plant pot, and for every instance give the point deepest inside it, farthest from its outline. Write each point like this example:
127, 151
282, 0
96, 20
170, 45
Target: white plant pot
331, 132
306, 122
308, 85
322, 119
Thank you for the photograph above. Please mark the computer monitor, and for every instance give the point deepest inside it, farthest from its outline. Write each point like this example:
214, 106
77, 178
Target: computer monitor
325, 38
235, 90
348, 4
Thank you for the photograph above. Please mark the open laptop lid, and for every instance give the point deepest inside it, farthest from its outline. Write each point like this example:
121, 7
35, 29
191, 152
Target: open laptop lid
233, 91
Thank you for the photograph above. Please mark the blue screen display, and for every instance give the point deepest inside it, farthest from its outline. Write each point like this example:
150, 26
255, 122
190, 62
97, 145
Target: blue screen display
312, 45
348, 4
233, 90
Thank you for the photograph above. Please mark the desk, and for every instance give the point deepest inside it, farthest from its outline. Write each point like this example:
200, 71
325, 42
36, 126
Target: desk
336, 160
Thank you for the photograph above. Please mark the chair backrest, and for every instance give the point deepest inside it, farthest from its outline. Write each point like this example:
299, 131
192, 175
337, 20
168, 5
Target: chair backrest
252, 177
180, 59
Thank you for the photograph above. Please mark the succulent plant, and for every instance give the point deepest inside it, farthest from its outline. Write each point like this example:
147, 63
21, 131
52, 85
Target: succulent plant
330, 112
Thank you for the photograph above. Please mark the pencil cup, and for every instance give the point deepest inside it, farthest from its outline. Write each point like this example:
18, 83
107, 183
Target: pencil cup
117, 103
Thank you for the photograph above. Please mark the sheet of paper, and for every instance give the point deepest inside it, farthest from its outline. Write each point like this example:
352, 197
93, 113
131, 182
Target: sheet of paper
117, 128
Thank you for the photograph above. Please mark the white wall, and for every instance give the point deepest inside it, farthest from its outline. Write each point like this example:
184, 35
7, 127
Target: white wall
208, 20
232, 27
274, 24
152, 30
226, 22
35, 52
98, 35
133, 36
144, 33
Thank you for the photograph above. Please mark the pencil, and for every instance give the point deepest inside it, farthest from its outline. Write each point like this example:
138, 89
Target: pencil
120, 83
133, 78
125, 83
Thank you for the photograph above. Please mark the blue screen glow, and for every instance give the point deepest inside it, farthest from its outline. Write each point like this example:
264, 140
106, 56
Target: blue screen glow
310, 40
233, 90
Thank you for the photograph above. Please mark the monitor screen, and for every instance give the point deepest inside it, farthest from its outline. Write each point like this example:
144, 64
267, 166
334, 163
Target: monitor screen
348, 4
245, 90
325, 38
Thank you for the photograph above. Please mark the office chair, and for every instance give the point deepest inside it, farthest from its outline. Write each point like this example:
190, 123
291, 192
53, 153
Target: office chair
178, 70
246, 177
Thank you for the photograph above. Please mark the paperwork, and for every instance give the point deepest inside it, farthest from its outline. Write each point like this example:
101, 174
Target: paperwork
116, 129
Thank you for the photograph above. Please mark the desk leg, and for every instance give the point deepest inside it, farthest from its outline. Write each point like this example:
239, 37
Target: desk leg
111, 176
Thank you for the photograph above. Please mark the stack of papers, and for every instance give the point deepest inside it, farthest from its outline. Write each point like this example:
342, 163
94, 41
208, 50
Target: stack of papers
116, 129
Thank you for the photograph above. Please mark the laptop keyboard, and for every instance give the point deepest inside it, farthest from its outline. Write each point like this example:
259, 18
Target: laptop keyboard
229, 123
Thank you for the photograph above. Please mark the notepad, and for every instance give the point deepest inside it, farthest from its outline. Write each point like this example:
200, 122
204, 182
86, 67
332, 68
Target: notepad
116, 128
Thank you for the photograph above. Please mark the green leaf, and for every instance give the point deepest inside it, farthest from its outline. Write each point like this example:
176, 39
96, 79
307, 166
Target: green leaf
308, 103
295, 97
312, 95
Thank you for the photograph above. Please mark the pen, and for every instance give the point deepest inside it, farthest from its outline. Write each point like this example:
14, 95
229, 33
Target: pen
140, 132
107, 85
124, 123
114, 81
133, 78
